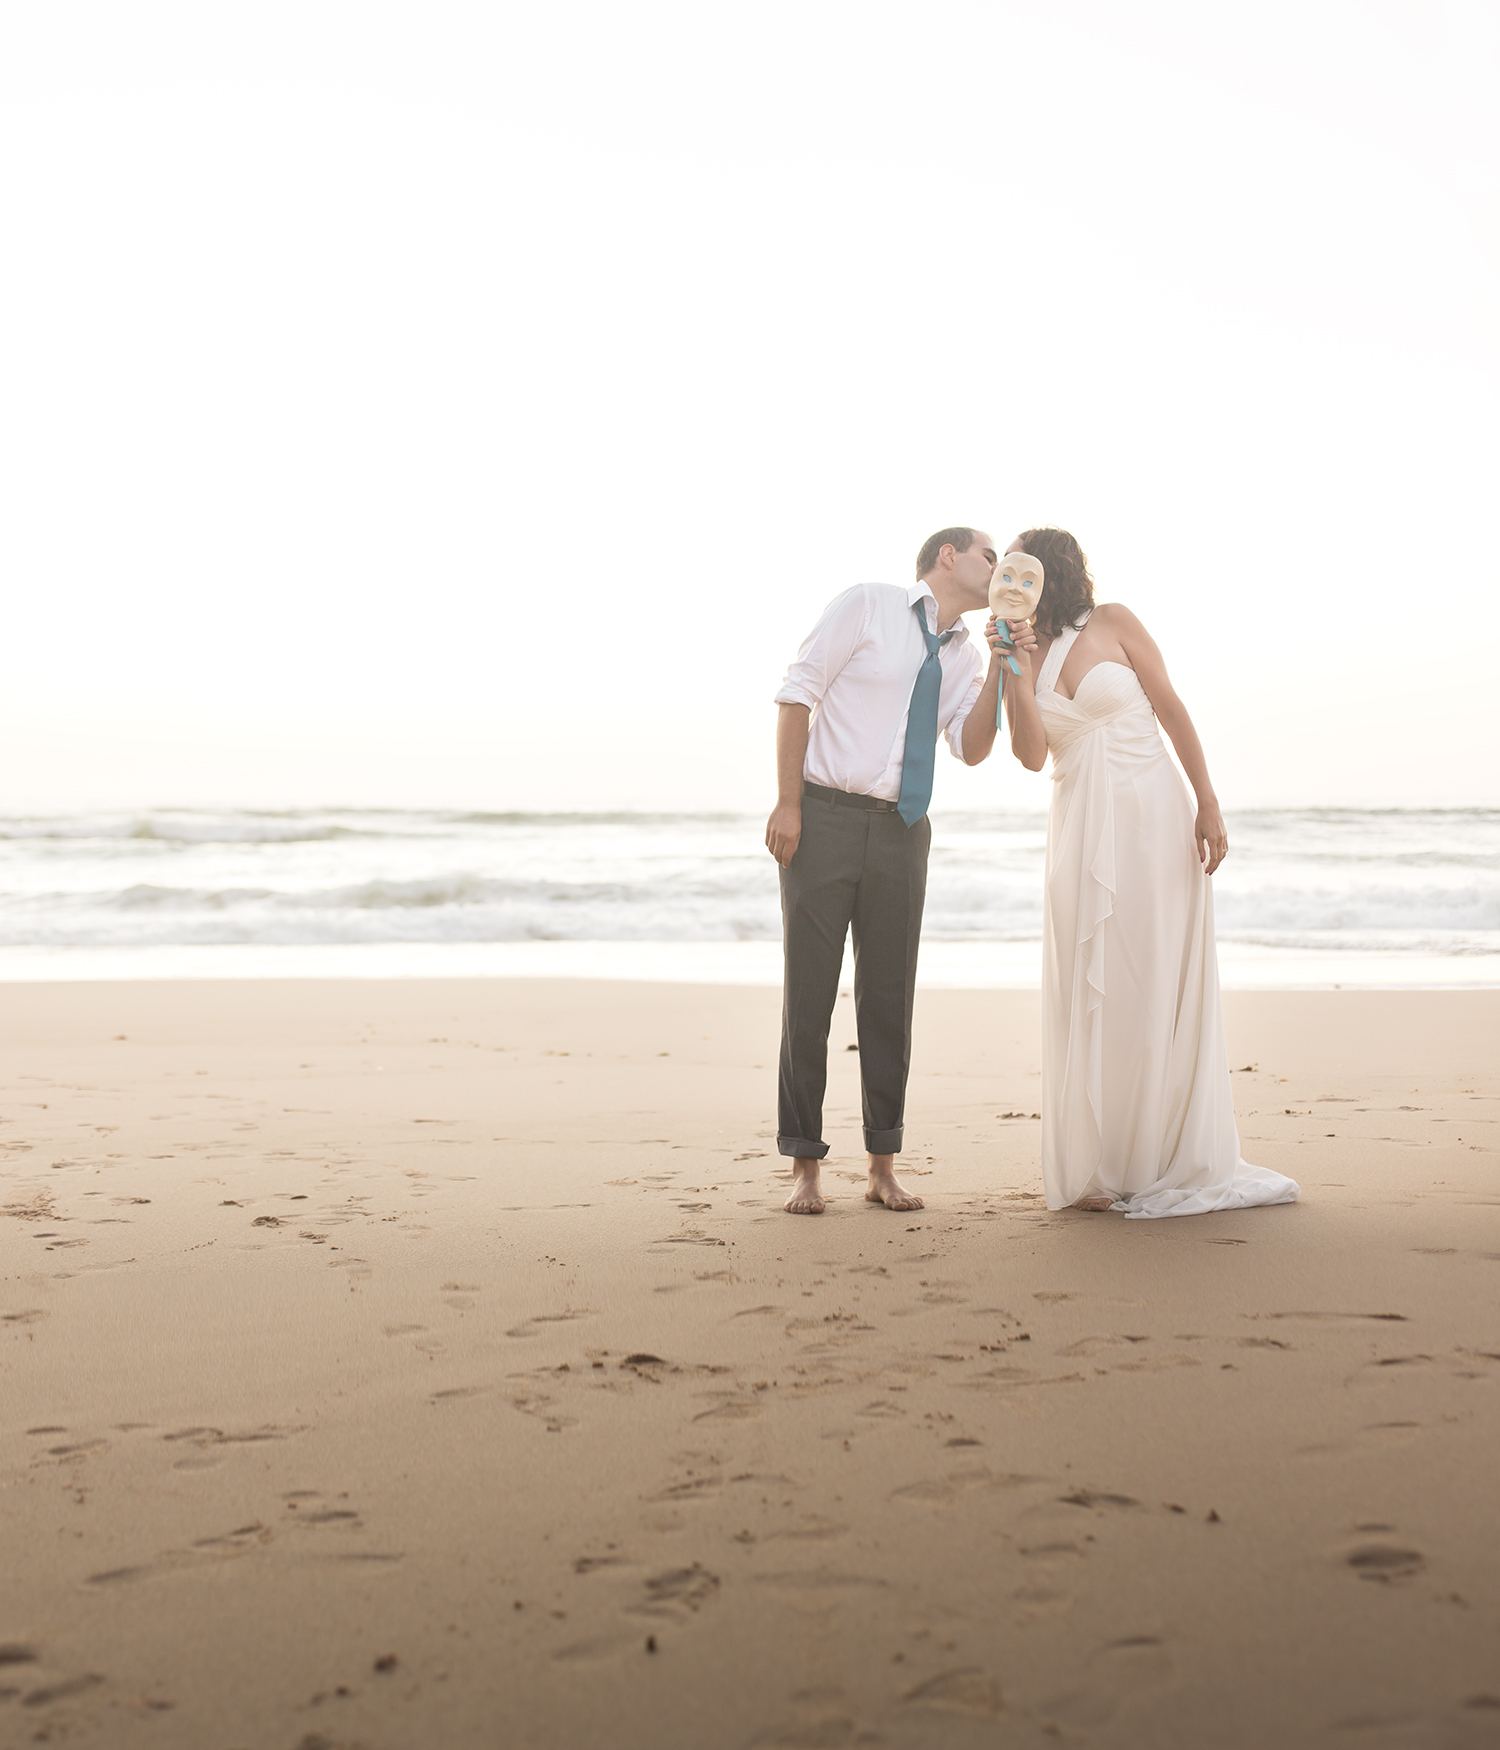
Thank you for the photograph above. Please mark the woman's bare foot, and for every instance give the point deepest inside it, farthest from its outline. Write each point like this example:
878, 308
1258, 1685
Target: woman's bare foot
884, 1187
807, 1191
1095, 1204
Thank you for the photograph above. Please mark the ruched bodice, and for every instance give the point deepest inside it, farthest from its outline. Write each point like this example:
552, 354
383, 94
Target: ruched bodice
1136, 1101
1110, 693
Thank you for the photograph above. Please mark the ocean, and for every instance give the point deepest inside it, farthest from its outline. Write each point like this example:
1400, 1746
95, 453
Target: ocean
1307, 897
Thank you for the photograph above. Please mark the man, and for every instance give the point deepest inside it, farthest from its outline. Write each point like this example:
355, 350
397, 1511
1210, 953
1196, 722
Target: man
881, 674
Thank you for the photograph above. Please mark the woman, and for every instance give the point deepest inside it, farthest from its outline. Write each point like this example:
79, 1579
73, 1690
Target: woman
1137, 1113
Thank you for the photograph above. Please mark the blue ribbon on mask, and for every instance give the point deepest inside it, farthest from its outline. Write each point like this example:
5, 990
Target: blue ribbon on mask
1015, 668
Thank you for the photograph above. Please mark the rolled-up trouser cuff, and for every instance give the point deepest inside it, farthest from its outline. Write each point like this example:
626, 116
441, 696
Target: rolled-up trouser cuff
884, 1142
800, 1149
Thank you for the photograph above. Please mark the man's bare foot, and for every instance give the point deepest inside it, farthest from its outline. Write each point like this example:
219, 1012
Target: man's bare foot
807, 1192
1096, 1204
884, 1187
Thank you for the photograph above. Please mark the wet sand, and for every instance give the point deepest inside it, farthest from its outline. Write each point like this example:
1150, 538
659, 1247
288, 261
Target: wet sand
429, 1364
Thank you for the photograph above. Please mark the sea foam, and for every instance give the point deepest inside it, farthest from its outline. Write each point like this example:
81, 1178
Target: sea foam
1416, 882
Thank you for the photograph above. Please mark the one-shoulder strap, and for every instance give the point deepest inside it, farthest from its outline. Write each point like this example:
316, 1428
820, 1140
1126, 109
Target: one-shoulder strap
1046, 681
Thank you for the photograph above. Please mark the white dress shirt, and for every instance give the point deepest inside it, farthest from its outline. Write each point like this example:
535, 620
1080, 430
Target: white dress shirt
856, 670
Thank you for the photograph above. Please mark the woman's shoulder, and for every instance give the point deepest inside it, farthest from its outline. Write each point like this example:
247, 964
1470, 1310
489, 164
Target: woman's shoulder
1113, 617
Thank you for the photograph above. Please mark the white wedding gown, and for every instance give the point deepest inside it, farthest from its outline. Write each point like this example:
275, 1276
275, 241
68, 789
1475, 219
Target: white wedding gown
1136, 1103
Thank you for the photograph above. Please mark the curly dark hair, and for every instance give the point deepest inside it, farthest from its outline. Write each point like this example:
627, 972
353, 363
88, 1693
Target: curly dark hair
1067, 588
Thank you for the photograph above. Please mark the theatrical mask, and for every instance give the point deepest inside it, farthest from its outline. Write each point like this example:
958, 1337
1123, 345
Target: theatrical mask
1016, 587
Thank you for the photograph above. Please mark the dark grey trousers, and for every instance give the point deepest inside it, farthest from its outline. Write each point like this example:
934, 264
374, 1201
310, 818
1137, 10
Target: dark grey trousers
869, 870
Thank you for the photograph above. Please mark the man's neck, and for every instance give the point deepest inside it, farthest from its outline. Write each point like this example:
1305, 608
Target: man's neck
951, 601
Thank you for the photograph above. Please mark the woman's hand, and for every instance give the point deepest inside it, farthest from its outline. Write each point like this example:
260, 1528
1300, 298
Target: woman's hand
1024, 639
1211, 836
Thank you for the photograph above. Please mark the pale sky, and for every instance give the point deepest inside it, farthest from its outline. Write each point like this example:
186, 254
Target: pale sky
475, 404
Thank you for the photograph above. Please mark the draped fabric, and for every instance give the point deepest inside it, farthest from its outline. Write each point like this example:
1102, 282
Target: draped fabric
1136, 1101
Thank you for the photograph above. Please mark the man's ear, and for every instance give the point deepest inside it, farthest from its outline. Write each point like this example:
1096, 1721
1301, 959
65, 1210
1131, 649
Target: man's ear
947, 553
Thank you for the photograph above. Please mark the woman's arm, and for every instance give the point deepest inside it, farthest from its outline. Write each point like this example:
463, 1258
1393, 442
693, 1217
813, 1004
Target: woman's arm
1028, 739
978, 733
1146, 659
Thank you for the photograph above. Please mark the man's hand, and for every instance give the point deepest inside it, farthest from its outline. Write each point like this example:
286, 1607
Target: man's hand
784, 828
784, 832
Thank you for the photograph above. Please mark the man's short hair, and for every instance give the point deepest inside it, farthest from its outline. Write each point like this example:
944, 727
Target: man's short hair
959, 539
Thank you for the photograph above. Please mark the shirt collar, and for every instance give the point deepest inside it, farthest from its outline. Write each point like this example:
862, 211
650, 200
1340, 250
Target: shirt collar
919, 591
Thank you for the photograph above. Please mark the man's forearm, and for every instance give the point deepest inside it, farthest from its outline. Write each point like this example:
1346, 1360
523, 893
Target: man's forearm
792, 726
978, 735
784, 828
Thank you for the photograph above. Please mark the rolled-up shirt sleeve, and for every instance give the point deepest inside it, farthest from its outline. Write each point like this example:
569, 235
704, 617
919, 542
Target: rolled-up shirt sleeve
825, 650
954, 729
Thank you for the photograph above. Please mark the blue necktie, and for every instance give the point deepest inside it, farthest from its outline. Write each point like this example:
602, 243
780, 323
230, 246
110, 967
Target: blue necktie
921, 725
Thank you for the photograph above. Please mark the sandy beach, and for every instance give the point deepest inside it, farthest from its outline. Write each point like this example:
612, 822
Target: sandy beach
418, 1363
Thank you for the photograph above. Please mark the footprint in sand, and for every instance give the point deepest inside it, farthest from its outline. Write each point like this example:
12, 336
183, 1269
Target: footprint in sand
225, 1547
967, 1692
1117, 1670
591, 1564
607, 1646
1051, 1562
219, 1437
677, 1593
819, 1717
692, 1488
1384, 1563
310, 1516
731, 1407
813, 1531
943, 1294
1086, 1346
543, 1409
47, 1694
1098, 1501
77, 1450
882, 1410
945, 1492
532, 1326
